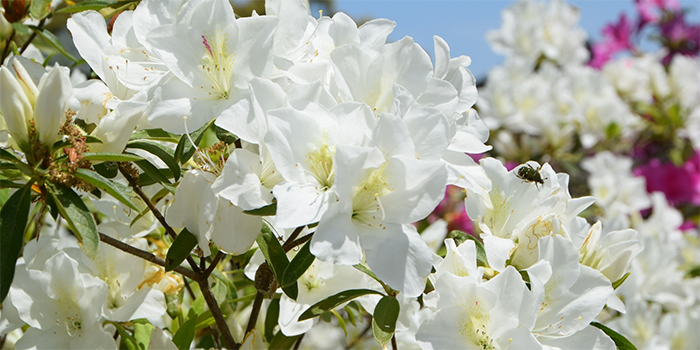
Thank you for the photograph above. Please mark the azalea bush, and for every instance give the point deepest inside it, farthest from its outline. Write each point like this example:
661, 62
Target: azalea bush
291, 180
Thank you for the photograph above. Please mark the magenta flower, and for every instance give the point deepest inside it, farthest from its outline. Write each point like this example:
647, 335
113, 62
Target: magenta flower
679, 36
616, 37
679, 184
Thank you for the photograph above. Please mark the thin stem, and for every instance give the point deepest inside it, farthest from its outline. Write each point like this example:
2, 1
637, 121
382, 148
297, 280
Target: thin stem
292, 237
393, 342
7, 46
298, 342
359, 336
189, 290
213, 264
257, 303
216, 312
298, 242
31, 37
137, 188
146, 256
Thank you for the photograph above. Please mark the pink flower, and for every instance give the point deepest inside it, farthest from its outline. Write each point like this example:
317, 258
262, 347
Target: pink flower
679, 184
616, 37
648, 9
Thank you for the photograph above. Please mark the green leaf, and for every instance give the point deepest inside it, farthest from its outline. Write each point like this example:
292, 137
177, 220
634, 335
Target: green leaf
164, 153
95, 5
276, 258
386, 313
268, 210
23, 167
21, 28
204, 320
620, 341
155, 174
13, 220
115, 189
180, 249
185, 149
142, 332
53, 40
111, 157
231, 292
297, 266
381, 336
154, 134
224, 135
79, 218
107, 169
39, 9
271, 318
333, 301
341, 321
184, 336
622, 280
128, 342
281, 341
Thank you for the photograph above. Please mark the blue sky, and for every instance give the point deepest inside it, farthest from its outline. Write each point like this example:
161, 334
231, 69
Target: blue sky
464, 23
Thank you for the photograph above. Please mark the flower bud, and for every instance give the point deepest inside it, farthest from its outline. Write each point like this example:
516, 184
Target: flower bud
55, 91
14, 107
15, 10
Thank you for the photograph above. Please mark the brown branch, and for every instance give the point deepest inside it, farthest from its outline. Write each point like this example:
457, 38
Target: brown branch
133, 182
216, 312
298, 242
257, 304
146, 256
292, 237
213, 264
31, 37
7, 46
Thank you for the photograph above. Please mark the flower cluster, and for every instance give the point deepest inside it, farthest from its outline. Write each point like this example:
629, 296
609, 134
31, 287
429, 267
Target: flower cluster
308, 170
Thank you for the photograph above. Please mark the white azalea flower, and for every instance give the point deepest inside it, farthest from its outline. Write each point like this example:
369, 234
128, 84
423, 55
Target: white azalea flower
62, 306
498, 314
571, 295
616, 190
208, 216
213, 56
303, 144
381, 189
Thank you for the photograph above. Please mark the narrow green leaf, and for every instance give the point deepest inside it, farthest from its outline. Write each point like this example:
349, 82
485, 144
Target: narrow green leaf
107, 169
117, 190
39, 9
164, 153
185, 334
297, 266
4, 184
281, 341
95, 5
180, 249
271, 318
204, 320
111, 157
53, 40
333, 301
381, 336
154, 134
13, 220
274, 253
185, 149
23, 167
268, 210
386, 313
155, 174
622, 280
341, 321
128, 342
142, 332
620, 341
79, 218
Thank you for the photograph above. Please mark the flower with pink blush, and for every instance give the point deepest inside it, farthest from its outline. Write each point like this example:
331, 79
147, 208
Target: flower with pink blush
679, 184
648, 9
616, 37
451, 209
